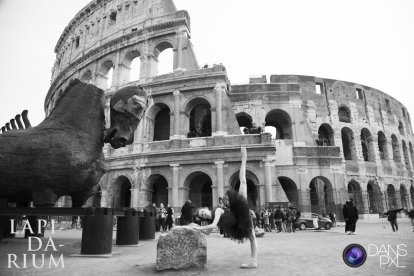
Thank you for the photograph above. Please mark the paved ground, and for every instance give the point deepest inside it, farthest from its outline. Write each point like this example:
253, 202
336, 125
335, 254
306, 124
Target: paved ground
307, 252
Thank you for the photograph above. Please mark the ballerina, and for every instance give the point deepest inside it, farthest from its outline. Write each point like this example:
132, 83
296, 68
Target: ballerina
232, 215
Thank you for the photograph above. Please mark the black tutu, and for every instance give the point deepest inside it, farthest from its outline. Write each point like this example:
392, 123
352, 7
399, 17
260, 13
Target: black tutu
236, 221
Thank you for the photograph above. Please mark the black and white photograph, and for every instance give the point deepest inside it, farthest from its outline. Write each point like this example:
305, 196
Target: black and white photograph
184, 137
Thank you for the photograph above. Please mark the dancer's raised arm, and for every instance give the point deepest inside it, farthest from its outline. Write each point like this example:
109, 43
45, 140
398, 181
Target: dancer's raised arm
242, 174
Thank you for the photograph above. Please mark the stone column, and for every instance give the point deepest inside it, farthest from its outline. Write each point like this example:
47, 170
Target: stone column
134, 197
176, 94
268, 180
175, 178
104, 199
220, 178
219, 89
181, 34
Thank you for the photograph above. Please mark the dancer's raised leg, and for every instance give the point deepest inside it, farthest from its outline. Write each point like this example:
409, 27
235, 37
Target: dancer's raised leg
242, 174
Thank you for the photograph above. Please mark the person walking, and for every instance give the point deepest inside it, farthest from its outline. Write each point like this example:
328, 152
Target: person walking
350, 213
411, 216
186, 213
392, 218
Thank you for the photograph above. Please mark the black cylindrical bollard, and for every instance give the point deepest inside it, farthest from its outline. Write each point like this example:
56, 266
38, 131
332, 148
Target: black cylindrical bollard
97, 231
146, 228
34, 224
127, 231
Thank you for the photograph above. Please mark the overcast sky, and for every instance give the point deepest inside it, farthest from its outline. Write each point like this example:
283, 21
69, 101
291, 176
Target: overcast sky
370, 42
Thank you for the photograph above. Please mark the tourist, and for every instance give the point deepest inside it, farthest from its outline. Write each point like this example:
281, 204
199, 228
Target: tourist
350, 213
411, 216
169, 219
284, 218
233, 215
332, 217
278, 219
266, 221
272, 219
161, 217
155, 213
392, 218
186, 213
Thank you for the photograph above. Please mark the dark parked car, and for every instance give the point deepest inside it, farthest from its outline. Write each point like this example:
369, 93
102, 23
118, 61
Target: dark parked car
306, 221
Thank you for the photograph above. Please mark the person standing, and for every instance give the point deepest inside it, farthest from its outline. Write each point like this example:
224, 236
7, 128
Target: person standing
350, 213
392, 218
155, 213
278, 219
186, 213
170, 218
411, 216
332, 217
161, 217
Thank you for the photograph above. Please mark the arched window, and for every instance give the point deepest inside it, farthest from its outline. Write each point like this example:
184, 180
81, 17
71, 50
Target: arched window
395, 149
87, 77
162, 125
344, 114
104, 78
405, 154
401, 128
348, 144
382, 145
280, 120
325, 135
367, 145
165, 58
245, 122
200, 120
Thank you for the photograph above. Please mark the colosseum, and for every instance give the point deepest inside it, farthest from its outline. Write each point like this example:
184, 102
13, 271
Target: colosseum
312, 141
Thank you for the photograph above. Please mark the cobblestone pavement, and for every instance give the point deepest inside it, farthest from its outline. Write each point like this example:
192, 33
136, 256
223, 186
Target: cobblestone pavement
308, 252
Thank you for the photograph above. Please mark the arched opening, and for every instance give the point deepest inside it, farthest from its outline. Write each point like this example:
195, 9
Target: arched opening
245, 122
367, 145
401, 128
200, 194
162, 125
121, 193
159, 190
395, 149
392, 197
344, 114
355, 193
382, 145
404, 196
200, 120
291, 190
411, 154
87, 77
104, 78
374, 198
252, 187
272, 130
321, 195
280, 120
165, 56
325, 135
348, 144
135, 69
405, 153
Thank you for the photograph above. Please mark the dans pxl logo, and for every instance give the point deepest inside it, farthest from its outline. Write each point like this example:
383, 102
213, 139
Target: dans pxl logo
354, 255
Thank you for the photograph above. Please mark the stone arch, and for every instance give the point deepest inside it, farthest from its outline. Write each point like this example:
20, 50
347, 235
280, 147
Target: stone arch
348, 144
244, 120
321, 195
158, 189
87, 76
392, 197
281, 120
121, 191
404, 196
401, 128
375, 204
395, 149
104, 76
367, 145
325, 135
199, 124
291, 190
200, 190
252, 186
411, 154
355, 193
405, 154
159, 122
382, 146
132, 60
344, 114
163, 52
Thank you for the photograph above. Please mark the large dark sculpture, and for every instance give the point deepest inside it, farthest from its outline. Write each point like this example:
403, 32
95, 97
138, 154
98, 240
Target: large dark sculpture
63, 154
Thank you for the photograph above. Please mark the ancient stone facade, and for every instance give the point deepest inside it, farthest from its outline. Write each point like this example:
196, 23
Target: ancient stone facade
314, 142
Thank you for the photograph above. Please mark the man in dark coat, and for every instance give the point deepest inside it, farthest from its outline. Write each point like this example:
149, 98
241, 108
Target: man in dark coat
186, 213
392, 218
350, 213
